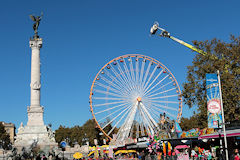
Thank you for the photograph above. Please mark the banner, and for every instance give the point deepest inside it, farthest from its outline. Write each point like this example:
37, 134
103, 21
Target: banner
196, 132
213, 101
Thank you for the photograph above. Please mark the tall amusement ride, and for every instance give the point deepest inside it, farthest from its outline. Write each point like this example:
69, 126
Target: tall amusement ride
129, 94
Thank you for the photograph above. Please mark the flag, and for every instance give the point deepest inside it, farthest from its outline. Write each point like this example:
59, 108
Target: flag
178, 129
213, 101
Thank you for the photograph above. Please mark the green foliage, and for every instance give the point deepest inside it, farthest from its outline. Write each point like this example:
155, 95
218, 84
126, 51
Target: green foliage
81, 134
189, 123
70, 135
91, 131
4, 138
224, 57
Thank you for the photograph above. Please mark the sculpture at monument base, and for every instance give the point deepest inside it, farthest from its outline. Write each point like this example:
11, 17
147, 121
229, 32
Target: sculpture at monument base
43, 136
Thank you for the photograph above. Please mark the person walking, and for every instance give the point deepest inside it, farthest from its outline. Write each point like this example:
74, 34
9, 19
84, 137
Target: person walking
236, 155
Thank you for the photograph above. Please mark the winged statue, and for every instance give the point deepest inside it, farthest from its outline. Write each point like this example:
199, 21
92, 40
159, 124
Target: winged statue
37, 20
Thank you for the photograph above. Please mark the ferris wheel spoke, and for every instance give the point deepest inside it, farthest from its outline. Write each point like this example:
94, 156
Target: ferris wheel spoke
142, 125
132, 75
165, 107
119, 121
111, 108
145, 89
108, 88
118, 75
128, 122
113, 112
152, 112
145, 119
132, 71
170, 114
108, 98
105, 104
156, 84
146, 122
116, 117
128, 74
120, 78
110, 83
134, 84
137, 73
165, 101
114, 79
146, 74
175, 95
128, 85
150, 94
141, 74
108, 93
149, 116
125, 129
150, 77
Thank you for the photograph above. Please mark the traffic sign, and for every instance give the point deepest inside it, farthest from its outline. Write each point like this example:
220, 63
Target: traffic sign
63, 144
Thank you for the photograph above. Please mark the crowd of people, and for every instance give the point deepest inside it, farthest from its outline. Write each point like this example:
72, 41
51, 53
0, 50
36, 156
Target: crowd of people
195, 153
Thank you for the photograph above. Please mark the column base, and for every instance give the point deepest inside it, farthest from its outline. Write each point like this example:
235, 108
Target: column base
35, 116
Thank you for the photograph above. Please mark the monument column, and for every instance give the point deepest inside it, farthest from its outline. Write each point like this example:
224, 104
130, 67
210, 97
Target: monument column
35, 111
35, 85
35, 132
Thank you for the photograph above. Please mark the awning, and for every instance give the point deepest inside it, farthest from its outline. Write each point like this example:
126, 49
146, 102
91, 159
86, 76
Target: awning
229, 133
138, 145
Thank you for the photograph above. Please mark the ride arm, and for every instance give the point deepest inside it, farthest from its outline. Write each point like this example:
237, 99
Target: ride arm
165, 33
188, 45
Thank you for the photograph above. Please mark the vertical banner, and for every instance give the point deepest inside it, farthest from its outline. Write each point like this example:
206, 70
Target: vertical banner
213, 101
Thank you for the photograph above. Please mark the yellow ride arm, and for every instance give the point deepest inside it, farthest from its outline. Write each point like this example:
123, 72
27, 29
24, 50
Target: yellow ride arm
188, 45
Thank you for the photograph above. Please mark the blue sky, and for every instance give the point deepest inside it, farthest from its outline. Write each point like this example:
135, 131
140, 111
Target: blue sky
79, 37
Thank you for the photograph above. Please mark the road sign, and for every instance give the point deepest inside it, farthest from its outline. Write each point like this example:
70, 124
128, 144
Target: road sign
63, 144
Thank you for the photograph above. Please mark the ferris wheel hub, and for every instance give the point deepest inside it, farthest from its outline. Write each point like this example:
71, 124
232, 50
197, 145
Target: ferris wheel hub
139, 99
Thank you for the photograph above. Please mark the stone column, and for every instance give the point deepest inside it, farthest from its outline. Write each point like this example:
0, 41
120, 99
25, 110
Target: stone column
35, 111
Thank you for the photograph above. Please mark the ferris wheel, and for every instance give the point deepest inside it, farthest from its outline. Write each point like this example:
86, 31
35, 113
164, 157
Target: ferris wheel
130, 92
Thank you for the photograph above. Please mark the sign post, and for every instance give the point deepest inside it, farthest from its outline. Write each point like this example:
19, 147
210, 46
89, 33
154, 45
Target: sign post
215, 110
224, 129
63, 145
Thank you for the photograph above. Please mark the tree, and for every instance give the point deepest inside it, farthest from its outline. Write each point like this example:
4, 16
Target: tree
62, 133
189, 123
80, 134
221, 56
77, 135
4, 138
89, 128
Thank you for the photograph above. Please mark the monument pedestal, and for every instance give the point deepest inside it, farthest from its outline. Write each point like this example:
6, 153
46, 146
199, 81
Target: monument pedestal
41, 135
35, 132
